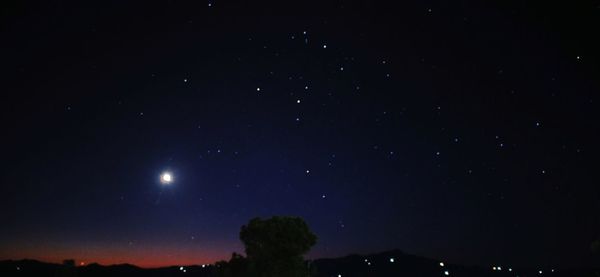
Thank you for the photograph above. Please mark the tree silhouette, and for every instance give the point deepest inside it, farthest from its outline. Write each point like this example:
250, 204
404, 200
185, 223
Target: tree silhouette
275, 247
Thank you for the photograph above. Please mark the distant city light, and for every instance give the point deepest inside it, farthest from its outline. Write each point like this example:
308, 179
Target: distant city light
442, 264
446, 273
391, 260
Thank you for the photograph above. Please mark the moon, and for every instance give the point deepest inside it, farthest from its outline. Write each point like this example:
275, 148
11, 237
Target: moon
166, 178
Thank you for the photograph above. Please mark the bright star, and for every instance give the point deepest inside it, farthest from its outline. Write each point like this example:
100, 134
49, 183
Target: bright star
166, 178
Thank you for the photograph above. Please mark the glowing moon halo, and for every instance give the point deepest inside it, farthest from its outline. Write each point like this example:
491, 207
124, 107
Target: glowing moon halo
166, 178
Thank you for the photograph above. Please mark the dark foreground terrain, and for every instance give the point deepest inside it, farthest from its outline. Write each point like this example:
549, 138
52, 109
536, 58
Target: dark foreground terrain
391, 263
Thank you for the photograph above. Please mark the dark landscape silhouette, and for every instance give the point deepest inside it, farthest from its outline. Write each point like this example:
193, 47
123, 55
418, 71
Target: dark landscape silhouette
275, 247
349, 266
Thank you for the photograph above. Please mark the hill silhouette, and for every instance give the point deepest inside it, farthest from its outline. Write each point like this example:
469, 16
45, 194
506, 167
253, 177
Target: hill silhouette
373, 265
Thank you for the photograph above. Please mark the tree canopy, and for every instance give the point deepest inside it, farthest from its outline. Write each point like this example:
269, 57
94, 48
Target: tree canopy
275, 246
277, 237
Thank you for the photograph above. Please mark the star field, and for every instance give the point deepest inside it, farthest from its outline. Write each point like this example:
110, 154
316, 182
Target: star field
149, 135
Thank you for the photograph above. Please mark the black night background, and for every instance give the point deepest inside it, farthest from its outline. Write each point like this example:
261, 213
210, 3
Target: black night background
149, 132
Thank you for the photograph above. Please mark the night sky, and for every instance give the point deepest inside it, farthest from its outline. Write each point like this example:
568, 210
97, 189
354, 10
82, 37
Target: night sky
465, 131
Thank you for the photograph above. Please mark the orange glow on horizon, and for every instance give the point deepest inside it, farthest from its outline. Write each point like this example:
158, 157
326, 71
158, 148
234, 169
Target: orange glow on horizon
145, 257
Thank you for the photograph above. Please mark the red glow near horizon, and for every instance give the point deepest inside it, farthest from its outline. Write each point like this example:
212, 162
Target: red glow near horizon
148, 257
151, 257
142, 254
